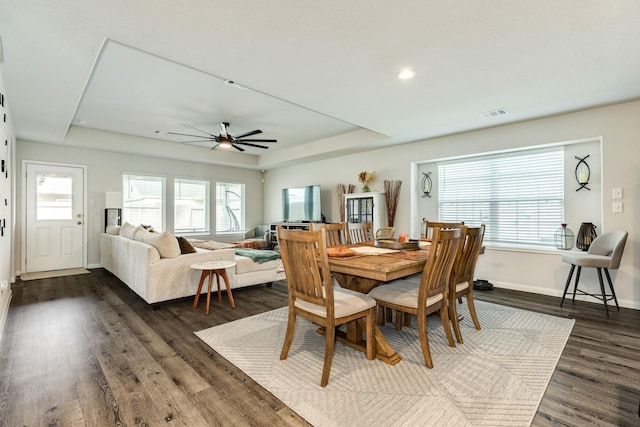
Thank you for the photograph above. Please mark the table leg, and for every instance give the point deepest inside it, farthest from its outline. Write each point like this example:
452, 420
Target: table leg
202, 277
226, 282
209, 293
353, 338
217, 273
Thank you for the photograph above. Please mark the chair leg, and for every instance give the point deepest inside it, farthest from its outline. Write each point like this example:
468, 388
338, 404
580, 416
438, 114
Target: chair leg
288, 338
575, 286
453, 316
566, 286
472, 309
330, 339
604, 297
444, 316
606, 272
424, 341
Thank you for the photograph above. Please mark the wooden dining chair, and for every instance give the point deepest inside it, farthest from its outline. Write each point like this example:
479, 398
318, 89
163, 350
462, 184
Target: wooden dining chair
462, 277
360, 232
385, 233
427, 226
313, 296
432, 294
336, 233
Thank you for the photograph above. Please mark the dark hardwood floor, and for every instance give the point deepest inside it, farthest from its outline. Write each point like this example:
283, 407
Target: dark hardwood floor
85, 351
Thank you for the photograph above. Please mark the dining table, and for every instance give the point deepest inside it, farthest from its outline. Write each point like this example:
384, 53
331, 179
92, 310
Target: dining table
363, 267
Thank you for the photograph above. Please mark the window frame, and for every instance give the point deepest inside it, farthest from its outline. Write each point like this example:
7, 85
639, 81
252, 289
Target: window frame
207, 206
163, 199
241, 221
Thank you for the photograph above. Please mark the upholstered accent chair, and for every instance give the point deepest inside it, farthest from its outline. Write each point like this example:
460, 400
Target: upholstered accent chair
313, 296
260, 235
605, 254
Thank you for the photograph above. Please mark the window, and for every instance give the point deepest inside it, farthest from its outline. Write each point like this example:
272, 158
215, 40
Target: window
191, 206
143, 200
519, 196
229, 207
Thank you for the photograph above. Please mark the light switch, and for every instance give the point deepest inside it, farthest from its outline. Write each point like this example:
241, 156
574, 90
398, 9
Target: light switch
617, 193
617, 207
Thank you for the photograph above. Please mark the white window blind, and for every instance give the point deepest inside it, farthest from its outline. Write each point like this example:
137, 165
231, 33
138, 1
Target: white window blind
519, 196
143, 200
191, 206
229, 207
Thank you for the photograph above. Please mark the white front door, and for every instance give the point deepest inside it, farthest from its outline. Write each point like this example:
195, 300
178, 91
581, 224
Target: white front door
54, 217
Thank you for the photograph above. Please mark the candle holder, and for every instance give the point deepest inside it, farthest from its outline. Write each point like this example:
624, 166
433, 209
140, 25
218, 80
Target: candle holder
583, 173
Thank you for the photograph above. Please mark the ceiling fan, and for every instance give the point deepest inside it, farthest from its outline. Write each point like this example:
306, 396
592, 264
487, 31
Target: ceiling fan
225, 139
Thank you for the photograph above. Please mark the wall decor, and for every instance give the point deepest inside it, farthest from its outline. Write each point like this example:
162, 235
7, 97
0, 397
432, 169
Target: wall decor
427, 184
583, 173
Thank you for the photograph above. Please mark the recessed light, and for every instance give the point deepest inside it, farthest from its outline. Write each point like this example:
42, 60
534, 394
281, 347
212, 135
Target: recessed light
406, 74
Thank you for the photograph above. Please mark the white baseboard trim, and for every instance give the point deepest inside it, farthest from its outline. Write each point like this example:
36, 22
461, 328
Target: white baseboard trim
558, 293
94, 266
4, 309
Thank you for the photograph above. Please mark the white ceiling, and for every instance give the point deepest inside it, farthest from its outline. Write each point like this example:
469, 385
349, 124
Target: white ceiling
320, 75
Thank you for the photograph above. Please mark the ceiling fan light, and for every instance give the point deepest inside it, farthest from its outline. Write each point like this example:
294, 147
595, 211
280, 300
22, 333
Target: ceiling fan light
225, 144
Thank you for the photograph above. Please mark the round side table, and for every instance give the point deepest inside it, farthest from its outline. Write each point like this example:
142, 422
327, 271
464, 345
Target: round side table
210, 269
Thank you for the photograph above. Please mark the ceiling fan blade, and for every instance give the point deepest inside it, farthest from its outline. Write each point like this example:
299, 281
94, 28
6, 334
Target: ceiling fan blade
251, 145
198, 140
253, 132
237, 148
199, 130
257, 140
215, 146
186, 134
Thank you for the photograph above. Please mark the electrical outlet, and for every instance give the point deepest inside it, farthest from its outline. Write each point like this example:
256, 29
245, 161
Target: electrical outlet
4, 284
617, 207
617, 193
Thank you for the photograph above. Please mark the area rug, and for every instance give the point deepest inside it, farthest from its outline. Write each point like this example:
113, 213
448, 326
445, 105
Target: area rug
54, 273
496, 378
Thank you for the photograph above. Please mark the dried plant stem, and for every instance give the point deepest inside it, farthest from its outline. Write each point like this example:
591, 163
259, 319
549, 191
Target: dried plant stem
392, 194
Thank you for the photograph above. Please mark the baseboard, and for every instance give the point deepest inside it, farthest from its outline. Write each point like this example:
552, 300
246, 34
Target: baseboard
558, 293
5, 300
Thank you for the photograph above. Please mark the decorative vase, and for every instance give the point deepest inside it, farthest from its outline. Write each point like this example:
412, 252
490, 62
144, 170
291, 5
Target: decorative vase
365, 188
563, 238
586, 234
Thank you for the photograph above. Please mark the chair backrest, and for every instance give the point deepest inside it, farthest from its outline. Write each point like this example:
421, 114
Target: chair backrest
360, 232
306, 264
437, 270
385, 233
336, 233
427, 226
465, 264
610, 244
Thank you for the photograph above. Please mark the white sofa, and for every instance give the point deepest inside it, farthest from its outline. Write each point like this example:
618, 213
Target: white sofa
156, 278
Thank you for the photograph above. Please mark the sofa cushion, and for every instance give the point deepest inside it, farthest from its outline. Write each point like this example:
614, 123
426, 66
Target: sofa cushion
125, 228
166, 243
185, 246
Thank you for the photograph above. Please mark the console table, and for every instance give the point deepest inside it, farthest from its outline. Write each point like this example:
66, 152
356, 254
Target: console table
273, 240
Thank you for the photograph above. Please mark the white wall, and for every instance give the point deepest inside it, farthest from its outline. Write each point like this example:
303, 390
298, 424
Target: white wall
104, 170
617, 126
7, 154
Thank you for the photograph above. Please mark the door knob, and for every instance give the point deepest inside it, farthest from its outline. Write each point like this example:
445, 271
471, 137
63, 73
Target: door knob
79, 222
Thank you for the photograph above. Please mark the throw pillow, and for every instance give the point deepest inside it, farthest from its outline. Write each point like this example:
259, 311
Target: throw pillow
113, 229
185, 246
166, 244
124, 228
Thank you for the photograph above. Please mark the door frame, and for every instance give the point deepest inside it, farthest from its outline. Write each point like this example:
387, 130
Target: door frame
23, 204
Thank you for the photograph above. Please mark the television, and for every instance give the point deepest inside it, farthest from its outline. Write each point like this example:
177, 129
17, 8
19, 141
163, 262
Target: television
301, 204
